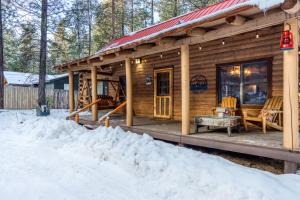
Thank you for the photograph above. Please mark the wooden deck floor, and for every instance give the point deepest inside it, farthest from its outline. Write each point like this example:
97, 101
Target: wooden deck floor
253, 142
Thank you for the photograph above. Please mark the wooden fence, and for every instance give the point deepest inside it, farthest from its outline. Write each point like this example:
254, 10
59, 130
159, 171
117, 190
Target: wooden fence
16, 97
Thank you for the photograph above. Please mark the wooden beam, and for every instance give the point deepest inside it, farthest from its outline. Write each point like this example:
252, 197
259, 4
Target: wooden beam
196, 32
236, 20
290, 90
126, 52
145, 46
109, 56
94, 92
185, 89
71, 91
129, 96
167, 40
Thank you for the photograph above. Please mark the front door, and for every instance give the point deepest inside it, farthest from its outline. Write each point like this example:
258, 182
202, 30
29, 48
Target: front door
163, 93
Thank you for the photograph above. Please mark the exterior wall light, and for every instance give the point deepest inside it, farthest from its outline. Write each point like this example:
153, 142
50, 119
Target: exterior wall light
137, 61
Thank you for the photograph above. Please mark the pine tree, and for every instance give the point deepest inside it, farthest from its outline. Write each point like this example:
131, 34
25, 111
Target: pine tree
59, 47
28, 48
11, 50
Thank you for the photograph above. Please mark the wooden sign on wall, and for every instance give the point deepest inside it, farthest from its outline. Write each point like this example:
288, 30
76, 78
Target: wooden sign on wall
198, 83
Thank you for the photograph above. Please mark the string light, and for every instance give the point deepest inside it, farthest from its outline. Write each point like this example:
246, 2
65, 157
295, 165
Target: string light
257, 35
161, 55
223, 42
200, 48
178, 52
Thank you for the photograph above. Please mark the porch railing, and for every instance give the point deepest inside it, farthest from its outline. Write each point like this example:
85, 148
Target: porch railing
75, 114
107, 115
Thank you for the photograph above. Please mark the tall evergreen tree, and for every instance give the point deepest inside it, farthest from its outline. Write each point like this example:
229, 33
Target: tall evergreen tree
28, 48
11, 50
59, 46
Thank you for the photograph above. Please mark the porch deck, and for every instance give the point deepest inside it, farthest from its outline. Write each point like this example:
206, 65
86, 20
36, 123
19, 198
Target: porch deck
253, 142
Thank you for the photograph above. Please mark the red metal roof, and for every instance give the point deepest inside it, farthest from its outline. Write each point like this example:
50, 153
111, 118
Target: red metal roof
183, 19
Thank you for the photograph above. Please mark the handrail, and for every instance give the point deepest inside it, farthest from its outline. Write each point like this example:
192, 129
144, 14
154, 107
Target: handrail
112, 112
83, 109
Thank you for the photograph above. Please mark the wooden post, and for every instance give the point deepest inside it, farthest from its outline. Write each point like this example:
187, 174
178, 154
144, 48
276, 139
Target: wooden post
71, 91
94, 92
185, 89
107, 122
129, 107
290, 90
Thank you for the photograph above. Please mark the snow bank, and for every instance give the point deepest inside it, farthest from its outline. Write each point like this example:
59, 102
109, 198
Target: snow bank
127, 166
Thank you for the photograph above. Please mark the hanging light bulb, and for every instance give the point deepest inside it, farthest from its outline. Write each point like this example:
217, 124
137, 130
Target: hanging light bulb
178, 52
223, 42
161, 55
200, 48
257, 35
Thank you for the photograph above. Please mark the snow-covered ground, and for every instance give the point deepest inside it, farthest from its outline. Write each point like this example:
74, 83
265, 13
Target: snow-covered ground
51, 158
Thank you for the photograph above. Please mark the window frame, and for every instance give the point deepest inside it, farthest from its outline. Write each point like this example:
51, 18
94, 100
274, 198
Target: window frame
104, 88
240, 63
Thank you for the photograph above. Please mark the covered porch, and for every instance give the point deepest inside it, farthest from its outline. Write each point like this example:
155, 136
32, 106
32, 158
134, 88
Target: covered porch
234, 54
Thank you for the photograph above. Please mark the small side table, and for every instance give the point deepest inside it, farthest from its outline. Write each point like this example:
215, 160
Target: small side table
227, 122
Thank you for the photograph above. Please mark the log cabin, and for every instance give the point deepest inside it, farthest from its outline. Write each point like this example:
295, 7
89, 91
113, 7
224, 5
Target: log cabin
172, 72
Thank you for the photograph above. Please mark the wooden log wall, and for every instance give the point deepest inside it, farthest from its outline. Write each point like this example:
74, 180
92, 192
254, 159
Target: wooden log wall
244, 47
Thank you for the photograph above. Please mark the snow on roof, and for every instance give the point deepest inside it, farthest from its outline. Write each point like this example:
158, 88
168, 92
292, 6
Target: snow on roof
188, 19
20, 78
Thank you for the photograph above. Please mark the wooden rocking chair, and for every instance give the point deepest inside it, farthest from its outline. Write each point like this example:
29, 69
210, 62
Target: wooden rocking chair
230, 103
270, 115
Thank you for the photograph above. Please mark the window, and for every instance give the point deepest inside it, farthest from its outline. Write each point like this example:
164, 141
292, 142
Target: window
163, 82
102, 88
66, 86
247, 81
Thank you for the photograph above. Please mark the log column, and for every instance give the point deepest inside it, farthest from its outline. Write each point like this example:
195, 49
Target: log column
185, 89
290, 90
94, 93
71, 91
129, 106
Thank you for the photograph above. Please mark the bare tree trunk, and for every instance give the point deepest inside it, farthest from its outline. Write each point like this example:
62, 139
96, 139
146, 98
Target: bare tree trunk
77, 24
123, 18
1, 61
131, 16
43, 55
113, 19
90, 26
175, 11
152, 12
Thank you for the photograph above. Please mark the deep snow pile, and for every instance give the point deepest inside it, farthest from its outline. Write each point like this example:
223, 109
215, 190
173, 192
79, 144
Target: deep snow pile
50, 158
